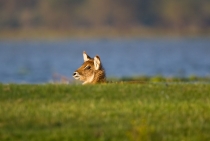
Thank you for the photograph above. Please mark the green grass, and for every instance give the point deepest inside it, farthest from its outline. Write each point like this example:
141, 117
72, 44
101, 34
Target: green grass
107, 112
159, 78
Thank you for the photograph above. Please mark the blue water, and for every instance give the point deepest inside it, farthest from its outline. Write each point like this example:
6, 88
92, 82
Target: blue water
41, 61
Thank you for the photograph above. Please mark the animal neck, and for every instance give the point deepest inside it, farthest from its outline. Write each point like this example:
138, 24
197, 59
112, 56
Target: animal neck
90, 79
98, 77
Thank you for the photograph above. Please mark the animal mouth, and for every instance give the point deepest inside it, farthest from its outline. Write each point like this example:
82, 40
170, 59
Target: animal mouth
76, 77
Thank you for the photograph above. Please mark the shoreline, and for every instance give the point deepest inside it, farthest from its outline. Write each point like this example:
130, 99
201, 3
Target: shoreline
89, 33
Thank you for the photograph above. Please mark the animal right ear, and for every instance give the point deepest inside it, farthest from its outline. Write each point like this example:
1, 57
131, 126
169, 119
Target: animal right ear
97, 62
86, 57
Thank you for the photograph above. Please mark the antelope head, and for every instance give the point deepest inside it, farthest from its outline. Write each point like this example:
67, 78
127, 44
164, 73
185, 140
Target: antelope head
91, 71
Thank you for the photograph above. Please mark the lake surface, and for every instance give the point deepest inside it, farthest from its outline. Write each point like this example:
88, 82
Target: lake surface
41, 61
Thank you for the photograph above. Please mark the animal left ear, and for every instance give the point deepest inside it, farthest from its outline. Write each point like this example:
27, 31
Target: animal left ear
97, 62
85, 56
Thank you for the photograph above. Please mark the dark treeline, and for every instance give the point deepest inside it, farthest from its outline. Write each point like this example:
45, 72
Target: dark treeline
56, 14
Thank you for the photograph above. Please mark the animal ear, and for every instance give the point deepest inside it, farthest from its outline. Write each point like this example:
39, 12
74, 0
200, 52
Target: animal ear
86, 57
97, 62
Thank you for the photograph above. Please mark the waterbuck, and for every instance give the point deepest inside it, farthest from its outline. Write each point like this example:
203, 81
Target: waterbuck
91, 71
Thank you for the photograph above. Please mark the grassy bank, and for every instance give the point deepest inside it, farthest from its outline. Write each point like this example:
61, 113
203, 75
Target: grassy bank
115, 112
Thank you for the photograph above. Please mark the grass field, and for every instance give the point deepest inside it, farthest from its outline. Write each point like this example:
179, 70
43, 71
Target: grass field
107, 112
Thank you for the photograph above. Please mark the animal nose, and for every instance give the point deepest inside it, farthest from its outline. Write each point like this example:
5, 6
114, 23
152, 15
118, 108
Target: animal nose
75, 73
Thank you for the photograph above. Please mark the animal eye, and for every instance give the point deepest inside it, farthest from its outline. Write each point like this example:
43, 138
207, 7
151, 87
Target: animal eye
87, 67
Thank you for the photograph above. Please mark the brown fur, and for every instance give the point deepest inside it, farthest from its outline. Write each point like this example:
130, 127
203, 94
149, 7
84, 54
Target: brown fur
91, 71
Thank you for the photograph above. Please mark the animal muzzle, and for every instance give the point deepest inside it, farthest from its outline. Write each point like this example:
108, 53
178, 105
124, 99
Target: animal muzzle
76, 75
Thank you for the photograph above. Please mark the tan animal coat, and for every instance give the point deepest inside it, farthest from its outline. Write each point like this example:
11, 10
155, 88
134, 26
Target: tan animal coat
91, 71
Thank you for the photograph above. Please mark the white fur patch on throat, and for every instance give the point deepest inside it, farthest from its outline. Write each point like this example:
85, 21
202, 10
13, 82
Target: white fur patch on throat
89, 80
